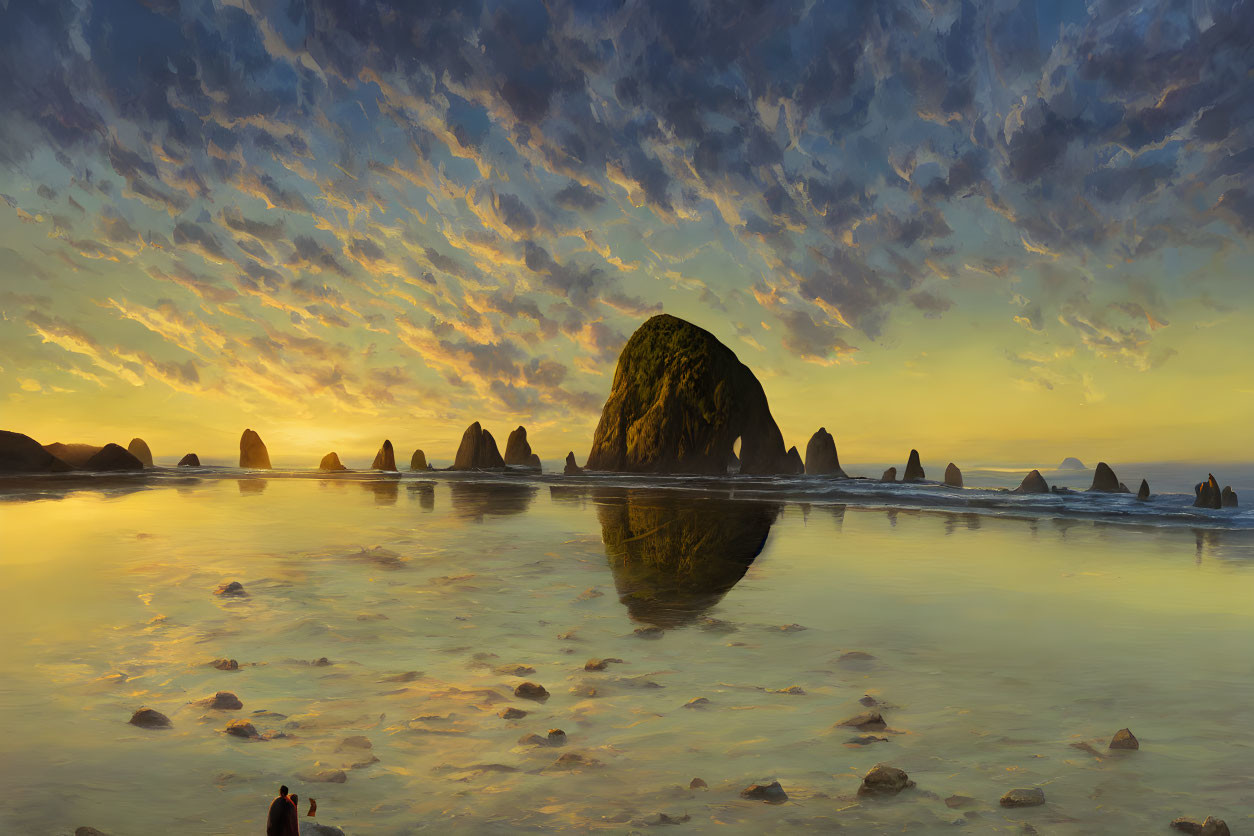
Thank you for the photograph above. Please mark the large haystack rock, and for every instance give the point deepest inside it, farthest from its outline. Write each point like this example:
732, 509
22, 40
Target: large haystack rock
478, 450
252, 451
914, 469
139, 449
821, 458
679, 401
418, 461
1105, 481
385, 459
23, 454
1034, 482
331, 461
953, 476
518, 451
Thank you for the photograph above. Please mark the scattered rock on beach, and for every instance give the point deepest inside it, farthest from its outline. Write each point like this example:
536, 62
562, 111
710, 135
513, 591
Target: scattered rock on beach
222, 701
651, 632
600, 664
355, 743
883, 780
574, 760
697, 784
512, 713
661, 818
1034, 482
1024, 797
231, 589
325, 776
866, 740
531, 691
771, 793
241, 728
1124, 739
148, 718
1211, 827
697, 702
225, 664
514, 670
866, 721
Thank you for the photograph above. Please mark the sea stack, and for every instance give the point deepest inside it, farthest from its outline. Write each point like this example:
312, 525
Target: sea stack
953, 476
572, 469
418, 461
190, 460
331, 461
1105, 481
252, 451
793, 465
821, 458
139, 449
679, 401
914, 470
890, 475
1228, 499
1143, 493
478, 450
1034, 482
113, 457
385, 459
518, 451
23, 454
1208, 494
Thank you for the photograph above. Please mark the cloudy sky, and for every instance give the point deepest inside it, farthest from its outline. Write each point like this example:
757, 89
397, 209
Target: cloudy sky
1001, 232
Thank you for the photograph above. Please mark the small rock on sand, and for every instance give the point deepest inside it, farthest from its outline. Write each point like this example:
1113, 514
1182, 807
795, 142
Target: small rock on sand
869, 701
792, 628
232, 589
1211, 827
697, 784
574, 760
697, 702
147, 718
649, 632
771, 793
325, 776
1024, 797
1124, 739
226, 664
512, 713
792, 690
355, 743
313, 828
955, 801
241, 728
661, 818
514, 670
866, 721
531, 691
866, 740
222, 701
600, 664
883, 781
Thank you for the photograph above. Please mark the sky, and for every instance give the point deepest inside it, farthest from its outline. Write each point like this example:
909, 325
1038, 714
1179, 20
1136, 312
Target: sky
1000, 232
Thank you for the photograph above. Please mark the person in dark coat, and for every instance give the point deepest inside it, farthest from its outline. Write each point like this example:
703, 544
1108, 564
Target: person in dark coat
283, 819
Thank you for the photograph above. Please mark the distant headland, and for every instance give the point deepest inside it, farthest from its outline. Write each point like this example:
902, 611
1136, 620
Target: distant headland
679, 403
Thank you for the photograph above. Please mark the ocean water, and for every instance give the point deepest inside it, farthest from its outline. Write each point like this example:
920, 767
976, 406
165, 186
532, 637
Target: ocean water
1006, 638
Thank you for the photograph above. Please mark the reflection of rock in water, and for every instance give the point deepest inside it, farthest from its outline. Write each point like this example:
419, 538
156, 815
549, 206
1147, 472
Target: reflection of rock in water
252, 485
476, 499
673, 555
569, 494
386, 491
424, 492
967, 520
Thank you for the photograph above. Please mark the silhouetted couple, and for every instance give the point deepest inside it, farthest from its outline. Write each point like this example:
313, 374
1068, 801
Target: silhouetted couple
284, 817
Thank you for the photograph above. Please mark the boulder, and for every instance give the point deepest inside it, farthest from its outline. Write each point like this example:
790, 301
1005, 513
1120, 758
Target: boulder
1124, 739
113, 457
139, 449
478, 450
518, 451
190, 460
313, 828
772, 793
821, 458
147, 718
953, 476
232, 589
222, 701
1072, 463
512, 713
1143, 492
1029, 797
866, 721
697, 784
241, 728
1208, 494
890, 475
1105, 481
1228, 499
571, 468
1034, 482
252, 451
331, 461
418, 461
793, 465
679, 400
914, 470
531, 691
23, 454
385, 459
1211, 827
883, 781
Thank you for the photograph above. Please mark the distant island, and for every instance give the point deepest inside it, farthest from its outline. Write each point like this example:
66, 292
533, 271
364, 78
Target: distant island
1072, 463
